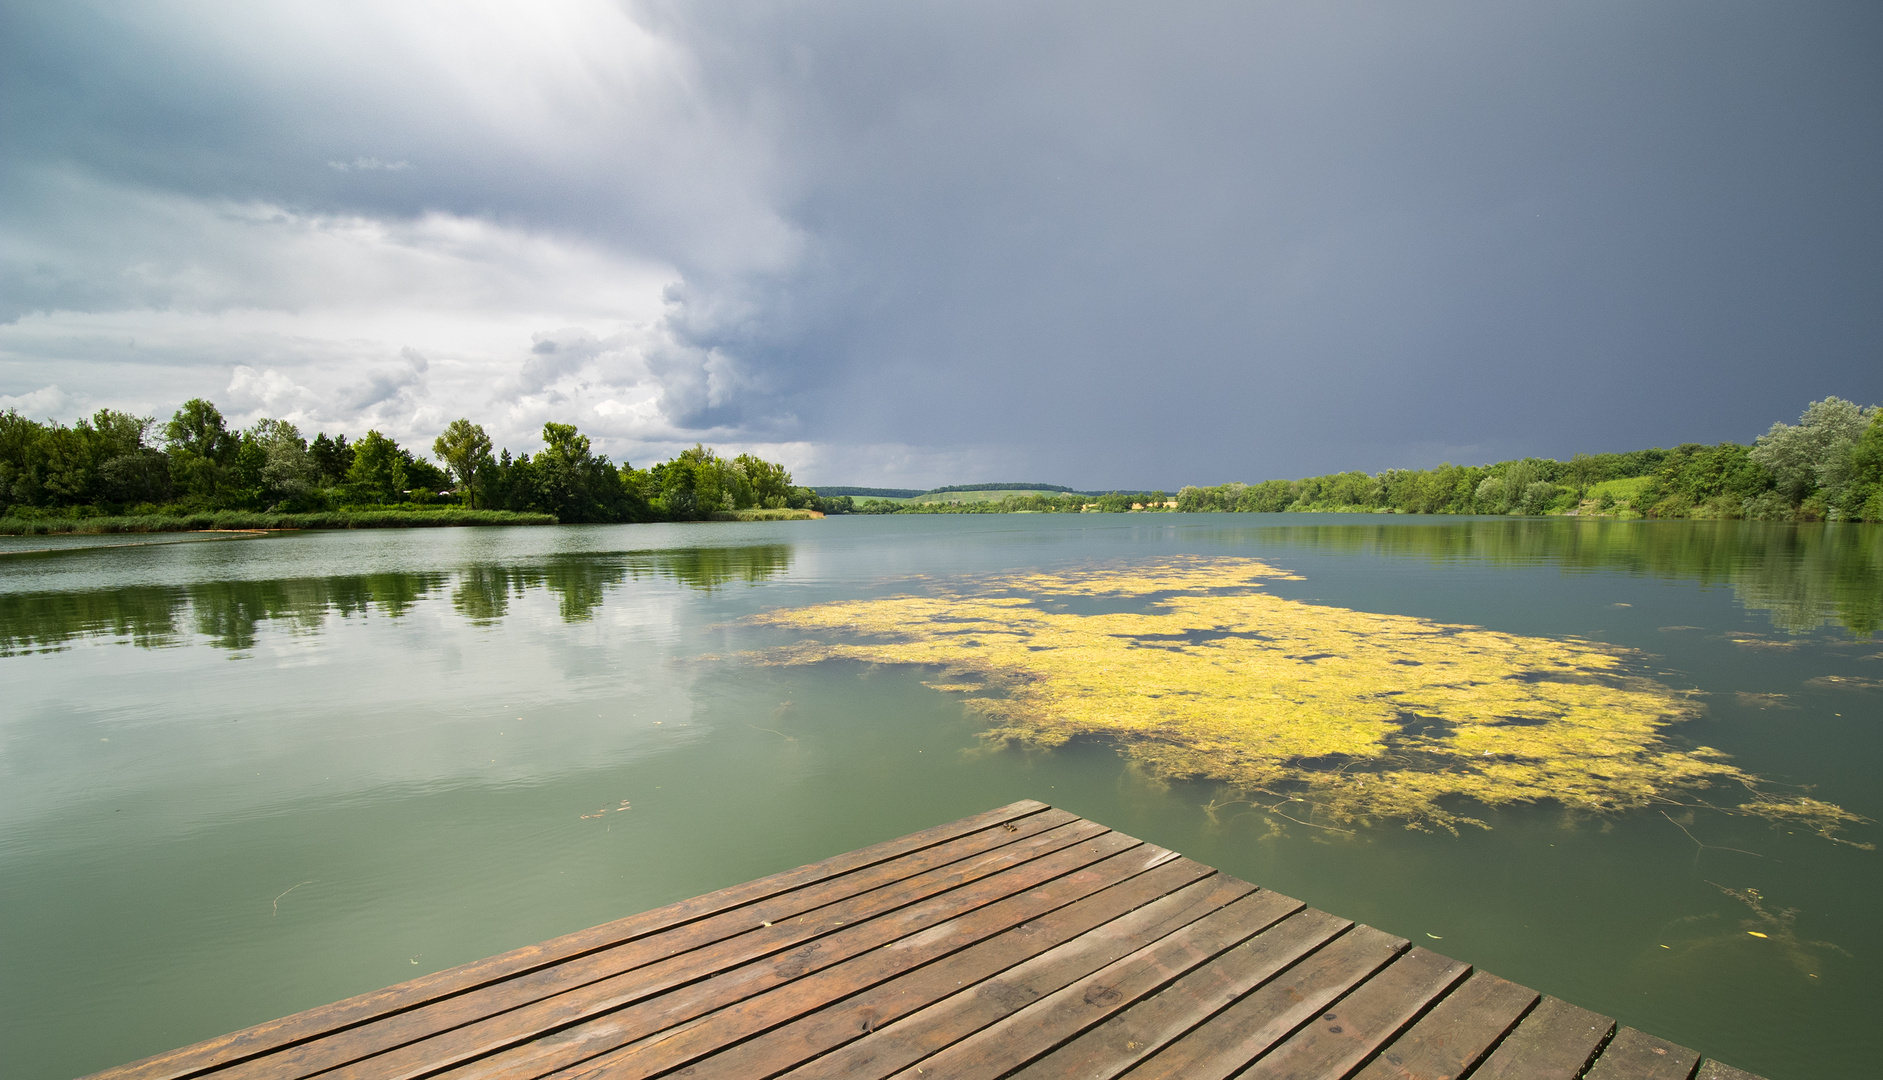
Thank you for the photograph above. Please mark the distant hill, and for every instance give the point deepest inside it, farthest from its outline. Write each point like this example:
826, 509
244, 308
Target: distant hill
1002, 487
980, 495
869, 492
984, 490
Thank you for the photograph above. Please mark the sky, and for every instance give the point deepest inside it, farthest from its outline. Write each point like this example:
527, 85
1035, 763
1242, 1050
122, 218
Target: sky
1095, 243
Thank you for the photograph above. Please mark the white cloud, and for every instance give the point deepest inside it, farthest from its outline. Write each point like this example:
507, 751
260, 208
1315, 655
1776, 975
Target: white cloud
43, 403
267, 391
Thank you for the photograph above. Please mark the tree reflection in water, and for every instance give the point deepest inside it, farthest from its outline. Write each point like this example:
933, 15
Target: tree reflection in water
1803, 576
228, 612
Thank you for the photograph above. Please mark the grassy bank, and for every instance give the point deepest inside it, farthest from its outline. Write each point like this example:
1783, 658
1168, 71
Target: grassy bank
243, 519
766, 515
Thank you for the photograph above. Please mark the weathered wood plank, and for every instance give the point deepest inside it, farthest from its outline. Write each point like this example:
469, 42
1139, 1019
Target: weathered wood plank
1237, 1035
1023, 943
1555, 1042
679, 948
895, 1046
1456, 1033
1038, 1027
209, 1054
924, 938
1636, 1055
859, 1014
1146, 1027
1032, 860
1363, 1021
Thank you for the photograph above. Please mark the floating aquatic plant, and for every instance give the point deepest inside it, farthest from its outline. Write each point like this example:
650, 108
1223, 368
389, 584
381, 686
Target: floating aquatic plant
1358, 716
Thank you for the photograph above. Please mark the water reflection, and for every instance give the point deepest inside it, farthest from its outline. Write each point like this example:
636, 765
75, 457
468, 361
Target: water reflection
228, 612
1802, 576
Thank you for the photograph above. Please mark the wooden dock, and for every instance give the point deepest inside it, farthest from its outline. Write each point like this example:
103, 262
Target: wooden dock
1023, 942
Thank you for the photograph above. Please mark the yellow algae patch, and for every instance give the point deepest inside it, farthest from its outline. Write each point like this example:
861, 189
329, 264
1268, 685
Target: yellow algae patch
1360, 716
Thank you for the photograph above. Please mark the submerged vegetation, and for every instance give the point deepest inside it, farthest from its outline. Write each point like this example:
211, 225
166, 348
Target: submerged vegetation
1345, 717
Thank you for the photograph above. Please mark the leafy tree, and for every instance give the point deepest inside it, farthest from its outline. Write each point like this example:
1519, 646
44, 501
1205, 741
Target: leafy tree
332, 458
770, 483
1816, 451
202, 450
465, 450
274, 459
378, 469
575, 484
198, 428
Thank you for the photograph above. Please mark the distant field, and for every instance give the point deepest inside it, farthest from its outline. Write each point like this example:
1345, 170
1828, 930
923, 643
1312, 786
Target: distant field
974, 496
1623, 490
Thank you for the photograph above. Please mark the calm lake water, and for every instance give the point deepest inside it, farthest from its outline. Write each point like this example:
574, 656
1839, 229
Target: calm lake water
242, 777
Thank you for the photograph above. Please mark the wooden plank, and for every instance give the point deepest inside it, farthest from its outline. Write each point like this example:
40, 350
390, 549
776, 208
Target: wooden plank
1230, 1039
645, 986
1713, 1070
1555, 1042
1146, 1027
1040, 1026
260, 1039
645, 967
1456, 1033
861, 1013
689, 1028
673, 1048
1636, 1055
1363, 1021
890, 1048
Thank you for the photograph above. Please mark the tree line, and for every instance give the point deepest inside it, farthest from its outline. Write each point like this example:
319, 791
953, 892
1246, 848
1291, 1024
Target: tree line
1828, 466
114, 463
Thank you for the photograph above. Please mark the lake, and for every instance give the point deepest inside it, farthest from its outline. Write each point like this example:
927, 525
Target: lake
240, 777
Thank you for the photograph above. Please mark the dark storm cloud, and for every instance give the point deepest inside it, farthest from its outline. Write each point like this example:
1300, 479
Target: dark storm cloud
1107, 243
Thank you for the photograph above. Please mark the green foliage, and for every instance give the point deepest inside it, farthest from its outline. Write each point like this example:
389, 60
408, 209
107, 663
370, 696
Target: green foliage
465, 450
378, 470
343, 518
1829, 465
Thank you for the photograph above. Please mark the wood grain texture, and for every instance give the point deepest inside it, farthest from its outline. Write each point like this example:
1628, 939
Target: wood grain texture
921, 941
1041, 1025
1636, 1055
263, 1038
787, 950
1555, 1042
1148, 1026
889, 1049
1457, 1032
1351, 1029
1025, 943
862, 1014
1252, 1026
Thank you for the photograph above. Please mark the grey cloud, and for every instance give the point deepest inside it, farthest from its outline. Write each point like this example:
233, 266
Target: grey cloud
388, 383
554, 355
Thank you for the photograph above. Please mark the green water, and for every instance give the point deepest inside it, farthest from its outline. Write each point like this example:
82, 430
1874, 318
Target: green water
242, 777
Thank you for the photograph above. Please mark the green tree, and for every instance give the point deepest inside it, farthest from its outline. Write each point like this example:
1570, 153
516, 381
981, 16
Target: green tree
378, 469
1814, 453
465, 450
332, 458
202, 450
285, 473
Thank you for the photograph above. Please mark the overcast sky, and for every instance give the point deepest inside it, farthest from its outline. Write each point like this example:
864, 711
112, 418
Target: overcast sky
1092, 243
